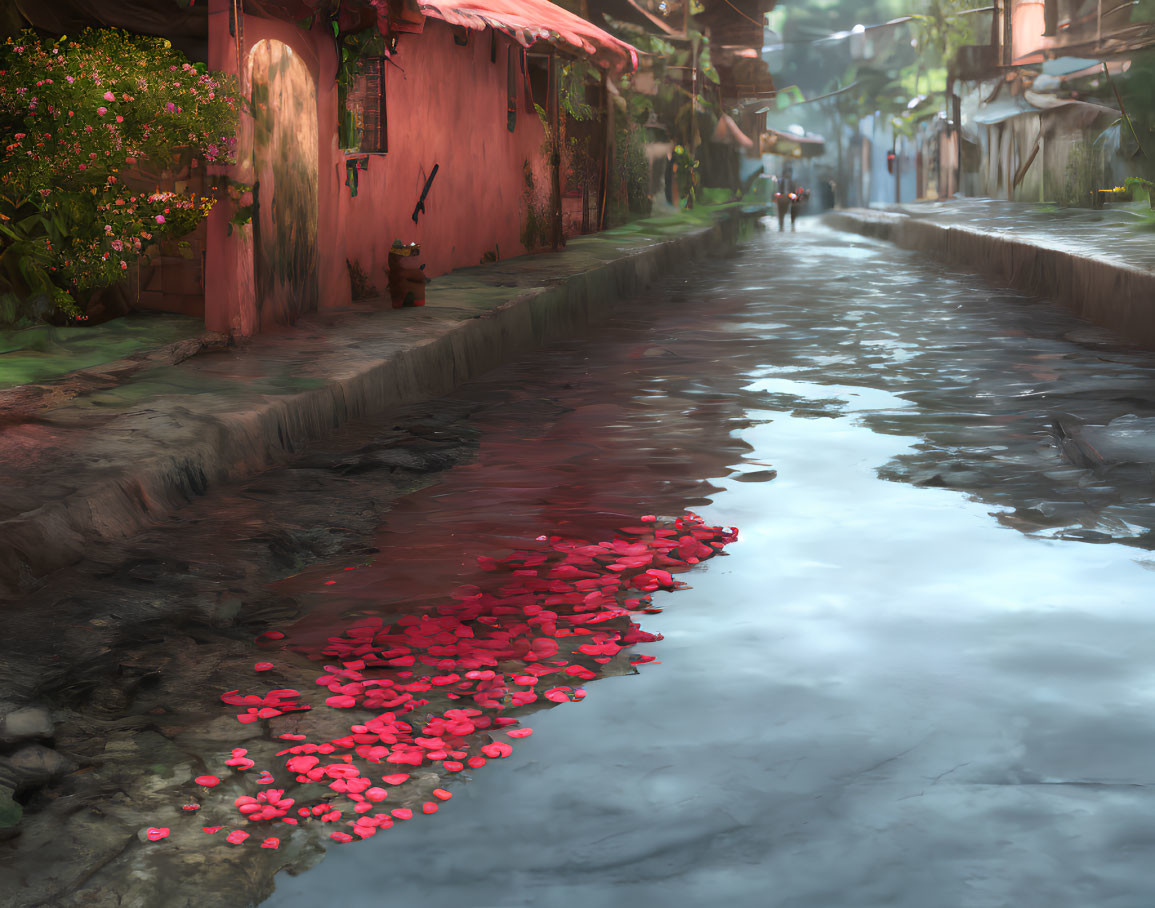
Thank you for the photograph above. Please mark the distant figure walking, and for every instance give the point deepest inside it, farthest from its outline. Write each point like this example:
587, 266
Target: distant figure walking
790, 202
782, 200
798, 198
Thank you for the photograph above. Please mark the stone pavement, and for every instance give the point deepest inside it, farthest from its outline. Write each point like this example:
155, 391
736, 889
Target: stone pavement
101, 452
1099, 263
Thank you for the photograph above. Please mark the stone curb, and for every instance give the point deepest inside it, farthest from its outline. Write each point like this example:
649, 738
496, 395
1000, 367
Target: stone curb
1109, 293
416, 354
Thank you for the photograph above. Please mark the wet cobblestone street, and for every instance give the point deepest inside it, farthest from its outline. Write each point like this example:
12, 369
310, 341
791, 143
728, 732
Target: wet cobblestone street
920, 678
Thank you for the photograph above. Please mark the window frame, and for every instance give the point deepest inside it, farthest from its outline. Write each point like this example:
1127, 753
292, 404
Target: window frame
369, 81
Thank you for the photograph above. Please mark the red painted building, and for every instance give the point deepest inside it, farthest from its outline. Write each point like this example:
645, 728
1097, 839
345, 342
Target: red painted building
454, 87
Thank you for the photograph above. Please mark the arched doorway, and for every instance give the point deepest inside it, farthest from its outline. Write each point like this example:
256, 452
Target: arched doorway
284, 108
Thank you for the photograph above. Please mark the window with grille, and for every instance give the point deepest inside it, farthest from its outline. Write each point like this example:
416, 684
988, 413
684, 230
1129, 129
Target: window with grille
363, 121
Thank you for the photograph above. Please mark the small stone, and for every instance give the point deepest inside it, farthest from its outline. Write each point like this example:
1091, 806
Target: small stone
25, 724
37, 764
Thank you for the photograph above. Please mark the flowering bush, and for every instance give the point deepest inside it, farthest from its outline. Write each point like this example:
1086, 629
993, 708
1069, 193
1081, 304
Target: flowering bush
78, 111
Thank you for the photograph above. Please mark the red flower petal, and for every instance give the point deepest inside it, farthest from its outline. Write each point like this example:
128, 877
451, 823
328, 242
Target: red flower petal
340, 837
237, 836
442, 794
402, 813
211, 829
429, 807
207, 781
520, 732
271, 842
396, 778
263, 666
191, 807
155, 834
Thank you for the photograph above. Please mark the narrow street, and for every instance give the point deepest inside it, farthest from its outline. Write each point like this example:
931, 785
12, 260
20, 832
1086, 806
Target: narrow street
920, 676
913, 682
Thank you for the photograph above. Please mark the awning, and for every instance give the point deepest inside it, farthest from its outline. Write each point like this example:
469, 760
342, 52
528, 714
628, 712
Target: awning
1065, 66
1032, 102
1003, 109
529, 21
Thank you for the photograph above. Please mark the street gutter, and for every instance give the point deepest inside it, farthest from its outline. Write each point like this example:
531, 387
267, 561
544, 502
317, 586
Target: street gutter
1102, 289
86, 461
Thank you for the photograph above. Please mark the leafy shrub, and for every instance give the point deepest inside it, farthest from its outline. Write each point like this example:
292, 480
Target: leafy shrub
78, 111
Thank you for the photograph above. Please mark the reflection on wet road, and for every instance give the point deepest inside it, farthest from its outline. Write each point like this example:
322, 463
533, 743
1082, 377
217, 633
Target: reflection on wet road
912, 683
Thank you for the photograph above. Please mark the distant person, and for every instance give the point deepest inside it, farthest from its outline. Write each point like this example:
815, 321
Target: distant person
798, 198
782, 201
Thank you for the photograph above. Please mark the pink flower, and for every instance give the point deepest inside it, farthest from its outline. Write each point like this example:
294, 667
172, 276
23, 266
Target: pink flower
120, 119
69, 79
159, 217
109, 96
102, 111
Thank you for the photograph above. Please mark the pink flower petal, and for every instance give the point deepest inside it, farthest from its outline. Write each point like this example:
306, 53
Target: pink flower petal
402, 813
395, 778
155, 834
520, 732
263, 666
207, 781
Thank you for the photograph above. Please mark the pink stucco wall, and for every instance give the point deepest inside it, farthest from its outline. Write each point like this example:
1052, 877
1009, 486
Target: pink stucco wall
448, 107
445, 105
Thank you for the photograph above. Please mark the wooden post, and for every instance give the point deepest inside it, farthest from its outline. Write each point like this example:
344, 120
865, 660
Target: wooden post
897, 172
554, 102
607, 152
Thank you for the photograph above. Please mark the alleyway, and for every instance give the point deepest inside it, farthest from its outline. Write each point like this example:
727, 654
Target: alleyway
920, 678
